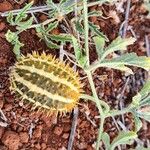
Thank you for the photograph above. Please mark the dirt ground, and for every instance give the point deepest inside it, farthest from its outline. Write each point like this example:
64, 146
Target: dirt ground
24, 130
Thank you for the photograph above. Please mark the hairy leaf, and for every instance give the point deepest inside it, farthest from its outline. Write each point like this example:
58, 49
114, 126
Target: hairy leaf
81, 59
20, 19
143, 97
25, 25
13, 38
99, 43
123, 138
95, 13
50, 44
61, 38
79, 27
95, 29
51, 26
144, 113
118, 44
130, 59
106, 140
138, 123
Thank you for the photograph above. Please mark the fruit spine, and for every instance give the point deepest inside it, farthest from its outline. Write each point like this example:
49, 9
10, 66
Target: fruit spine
45, 82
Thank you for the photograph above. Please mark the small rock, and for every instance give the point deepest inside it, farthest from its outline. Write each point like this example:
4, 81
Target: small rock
1, 131
24, 137
5, 6
65, 135
43, 146
67, 127
11, 140
62, 148
2, 26
8, 107
1, 103
43, 17
58, 130
49, 148
37, 146
82, 145
45, 137
37, 133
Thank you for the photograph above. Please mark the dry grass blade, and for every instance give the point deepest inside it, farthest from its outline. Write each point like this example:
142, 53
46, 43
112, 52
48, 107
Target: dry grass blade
73, 129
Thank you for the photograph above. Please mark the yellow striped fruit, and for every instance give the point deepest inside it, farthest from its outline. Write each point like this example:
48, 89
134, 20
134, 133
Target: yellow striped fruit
46, 83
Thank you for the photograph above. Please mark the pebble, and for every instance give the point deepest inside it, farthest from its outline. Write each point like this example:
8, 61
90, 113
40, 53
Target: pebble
2, 26
5, 6
37, 133
58, 130
24, 137
8, 107
43, 146
1, 131
37, 146
11, 139
65, 135
1, 103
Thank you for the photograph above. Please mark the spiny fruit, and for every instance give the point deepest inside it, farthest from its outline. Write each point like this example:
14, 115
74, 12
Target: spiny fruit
46, 83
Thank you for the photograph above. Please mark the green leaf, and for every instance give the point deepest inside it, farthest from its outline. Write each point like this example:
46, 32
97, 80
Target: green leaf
67, 6
18, 20
25, 25
118, 44
44, 34
13, 38
144, 114
50, 44
51, 4
99, 43
95, 13
142, 98
138, 123
106, 140
61, 38
51, 26
145, 90
79, 27
130, 59
123, 138
22, 15
81, 59
10, 18
95, 29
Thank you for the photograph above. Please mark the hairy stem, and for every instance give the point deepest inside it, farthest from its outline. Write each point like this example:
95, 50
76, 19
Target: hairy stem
89, 75
86, 29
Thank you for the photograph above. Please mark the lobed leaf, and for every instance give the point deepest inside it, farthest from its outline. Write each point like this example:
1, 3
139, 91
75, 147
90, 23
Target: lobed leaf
22, 14
18, 20
123, 138
61, 38
144, 114
138, 123
95, 29
142, 98
118, 44
13, 38
95, 13
99, 43
81, 59
51, 26
129, 59
106, 140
